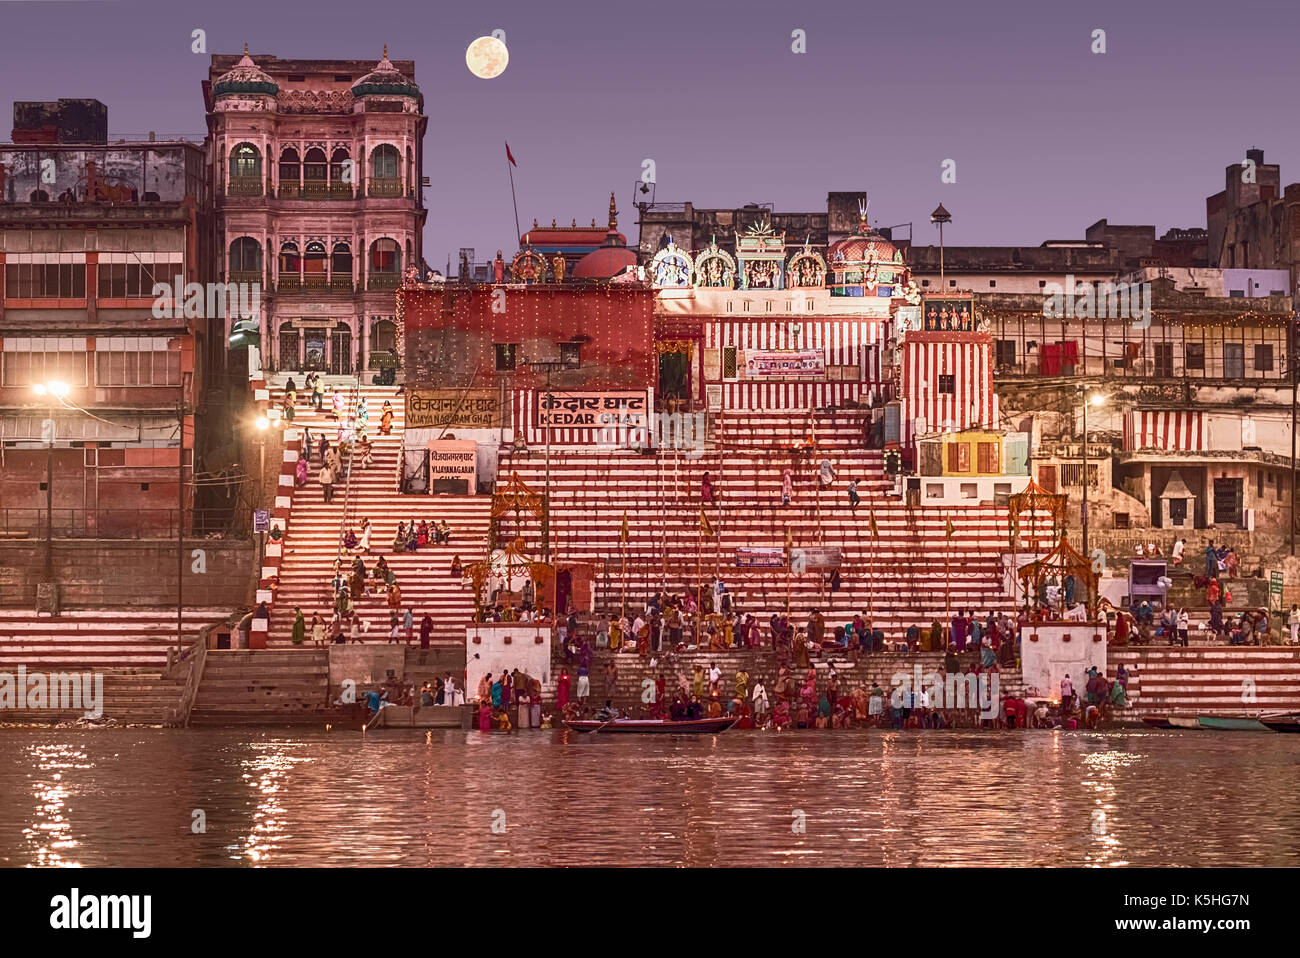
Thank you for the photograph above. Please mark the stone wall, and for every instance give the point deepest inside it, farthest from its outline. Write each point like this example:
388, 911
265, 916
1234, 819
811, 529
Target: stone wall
99, 573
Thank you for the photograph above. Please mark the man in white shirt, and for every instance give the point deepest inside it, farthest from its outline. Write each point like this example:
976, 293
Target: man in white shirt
1179, 546
1293, 620
715, 676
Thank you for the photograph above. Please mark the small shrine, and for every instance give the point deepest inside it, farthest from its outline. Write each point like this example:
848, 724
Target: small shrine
715, 268
806, 269
866, 263
671, 267
528, 267
760, 255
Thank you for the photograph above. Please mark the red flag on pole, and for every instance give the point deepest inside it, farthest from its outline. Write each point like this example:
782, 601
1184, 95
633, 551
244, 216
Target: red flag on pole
510, 156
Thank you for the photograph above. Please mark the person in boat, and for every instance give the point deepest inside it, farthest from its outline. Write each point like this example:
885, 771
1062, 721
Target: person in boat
715, 706
386, 419
608, 713
696, 709
677, 710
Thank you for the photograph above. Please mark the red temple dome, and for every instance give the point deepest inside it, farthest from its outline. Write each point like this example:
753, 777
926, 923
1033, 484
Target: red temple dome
611, 258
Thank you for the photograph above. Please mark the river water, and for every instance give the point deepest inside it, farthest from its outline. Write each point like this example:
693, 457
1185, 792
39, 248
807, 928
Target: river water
311, 797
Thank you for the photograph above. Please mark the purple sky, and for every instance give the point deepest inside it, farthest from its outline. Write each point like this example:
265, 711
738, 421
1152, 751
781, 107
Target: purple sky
1047, 136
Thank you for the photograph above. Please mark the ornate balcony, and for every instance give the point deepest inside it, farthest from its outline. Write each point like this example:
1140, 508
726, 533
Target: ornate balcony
248, 276
384, 281
385, 187
316, 190
244, 186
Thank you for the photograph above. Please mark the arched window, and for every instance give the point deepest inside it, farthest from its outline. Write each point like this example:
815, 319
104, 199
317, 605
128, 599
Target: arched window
314, 264
342, 175
246, 256
290, 168
290, 260
383, 336
341, 260
384, 162
385, 264
313, 171
245, 162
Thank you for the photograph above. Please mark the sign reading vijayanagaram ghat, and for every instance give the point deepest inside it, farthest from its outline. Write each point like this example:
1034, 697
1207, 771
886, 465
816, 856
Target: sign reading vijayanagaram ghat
454, 408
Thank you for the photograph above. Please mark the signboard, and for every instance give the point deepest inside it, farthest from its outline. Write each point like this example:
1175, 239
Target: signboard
760, 557
592, 410
261, 520
786, 364
1275, 580
453, 459
819, 557
453, 408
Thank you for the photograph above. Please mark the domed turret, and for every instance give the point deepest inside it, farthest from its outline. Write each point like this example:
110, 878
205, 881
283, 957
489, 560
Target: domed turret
385, 80
244, 78
611, 257
865, 263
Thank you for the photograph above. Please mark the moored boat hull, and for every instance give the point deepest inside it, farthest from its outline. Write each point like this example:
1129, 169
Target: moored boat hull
653, 726
1231, 723
1283, 722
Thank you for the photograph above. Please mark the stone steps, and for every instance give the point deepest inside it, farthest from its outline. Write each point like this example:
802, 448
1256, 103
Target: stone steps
262, 687
1210, 680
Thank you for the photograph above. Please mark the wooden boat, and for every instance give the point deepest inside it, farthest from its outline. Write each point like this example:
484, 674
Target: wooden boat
1281, 721
1157, 721
1184, 721
703, 726
1231, 723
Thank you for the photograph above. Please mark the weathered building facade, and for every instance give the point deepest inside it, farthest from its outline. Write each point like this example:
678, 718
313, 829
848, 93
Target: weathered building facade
87, 228
317, 176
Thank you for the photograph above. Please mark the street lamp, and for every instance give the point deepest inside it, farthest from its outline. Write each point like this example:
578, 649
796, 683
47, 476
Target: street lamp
1097, 400
938, 218
52, 390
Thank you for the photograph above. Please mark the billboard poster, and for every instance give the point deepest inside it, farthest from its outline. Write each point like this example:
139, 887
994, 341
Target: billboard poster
786, 364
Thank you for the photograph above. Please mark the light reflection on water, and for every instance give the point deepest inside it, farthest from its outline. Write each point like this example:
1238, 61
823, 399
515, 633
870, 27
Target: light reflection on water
73, 797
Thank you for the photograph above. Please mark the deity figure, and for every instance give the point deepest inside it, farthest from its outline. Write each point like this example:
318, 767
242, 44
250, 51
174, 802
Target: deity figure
499, 269
557, 267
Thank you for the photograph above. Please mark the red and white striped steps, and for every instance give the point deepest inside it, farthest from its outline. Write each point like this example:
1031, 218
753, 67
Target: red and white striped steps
98, 638
1210, 680
306, 557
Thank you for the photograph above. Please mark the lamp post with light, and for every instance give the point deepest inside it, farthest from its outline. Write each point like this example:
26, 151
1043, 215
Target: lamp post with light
53, 390
938, 218
1098, 400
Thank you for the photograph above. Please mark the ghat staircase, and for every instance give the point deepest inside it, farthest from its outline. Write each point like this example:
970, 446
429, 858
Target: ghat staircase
315, 529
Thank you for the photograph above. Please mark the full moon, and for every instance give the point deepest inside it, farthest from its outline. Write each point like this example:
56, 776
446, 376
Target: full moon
487, 57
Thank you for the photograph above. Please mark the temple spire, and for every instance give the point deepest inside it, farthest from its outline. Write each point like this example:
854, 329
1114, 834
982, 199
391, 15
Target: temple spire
613, 213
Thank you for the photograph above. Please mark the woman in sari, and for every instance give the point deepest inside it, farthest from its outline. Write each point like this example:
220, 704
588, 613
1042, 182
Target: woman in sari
300, 473
809, 691
399, 540
363, 413
643, 639
729, 631
336, 404
616, 634
394, 596
412, 540
386, 419
422, 537
349, 539
562, 689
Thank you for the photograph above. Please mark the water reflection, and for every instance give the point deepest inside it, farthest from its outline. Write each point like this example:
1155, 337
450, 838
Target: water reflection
129, 797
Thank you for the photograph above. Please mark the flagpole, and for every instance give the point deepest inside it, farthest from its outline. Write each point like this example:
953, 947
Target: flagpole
623, 573
947, 585
510, 168
699, 574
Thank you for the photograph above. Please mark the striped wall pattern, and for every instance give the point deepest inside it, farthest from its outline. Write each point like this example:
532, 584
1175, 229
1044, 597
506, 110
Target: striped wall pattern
973, 401
1167, 429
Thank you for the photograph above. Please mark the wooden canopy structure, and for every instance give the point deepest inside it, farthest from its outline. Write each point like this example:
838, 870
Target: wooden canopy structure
1032, 502
1062, 562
